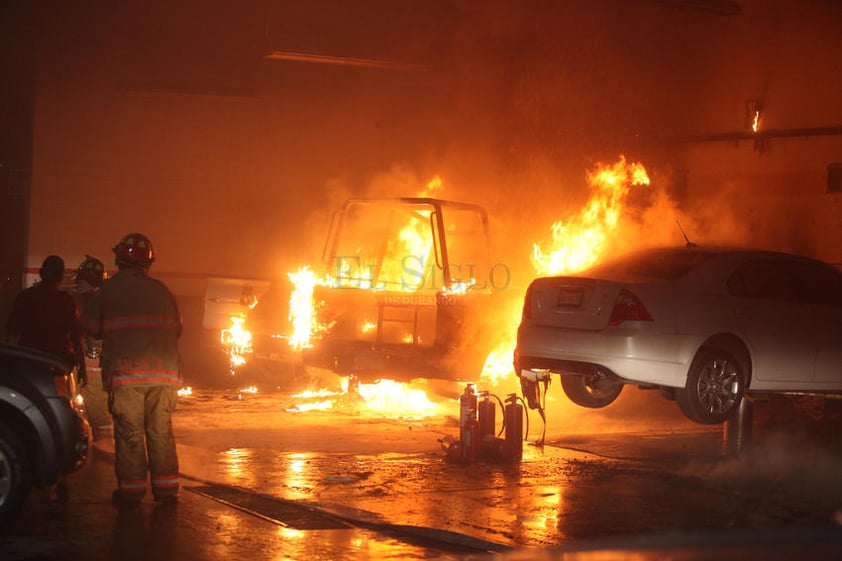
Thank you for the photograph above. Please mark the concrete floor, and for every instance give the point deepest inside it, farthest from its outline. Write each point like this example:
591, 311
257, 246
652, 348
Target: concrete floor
264, 481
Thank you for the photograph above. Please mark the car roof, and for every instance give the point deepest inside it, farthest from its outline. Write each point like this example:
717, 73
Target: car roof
721, 251
35, 355
662, 263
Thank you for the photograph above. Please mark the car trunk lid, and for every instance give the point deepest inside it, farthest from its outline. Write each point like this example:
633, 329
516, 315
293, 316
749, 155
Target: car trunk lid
570, 302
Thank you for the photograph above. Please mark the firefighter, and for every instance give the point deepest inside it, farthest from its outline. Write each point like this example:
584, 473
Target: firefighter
89, 277
138, 321
45, 317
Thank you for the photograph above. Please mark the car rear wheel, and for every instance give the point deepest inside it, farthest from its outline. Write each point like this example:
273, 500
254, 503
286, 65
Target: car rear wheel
591, 390
715, 386
15, 475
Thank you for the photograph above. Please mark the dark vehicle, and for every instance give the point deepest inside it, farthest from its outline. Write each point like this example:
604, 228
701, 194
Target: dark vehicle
43, 432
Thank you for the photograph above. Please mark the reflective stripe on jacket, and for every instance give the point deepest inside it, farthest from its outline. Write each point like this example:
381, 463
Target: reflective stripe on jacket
139, 323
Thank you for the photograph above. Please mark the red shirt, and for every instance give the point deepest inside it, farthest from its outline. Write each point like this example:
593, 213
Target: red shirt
46, 318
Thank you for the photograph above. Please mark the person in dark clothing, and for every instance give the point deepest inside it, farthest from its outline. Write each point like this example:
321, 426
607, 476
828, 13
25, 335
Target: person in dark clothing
45, 317
138, 321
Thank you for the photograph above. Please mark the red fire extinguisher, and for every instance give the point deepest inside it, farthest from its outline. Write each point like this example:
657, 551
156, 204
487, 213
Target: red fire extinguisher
514, 428
468, 422
487, 417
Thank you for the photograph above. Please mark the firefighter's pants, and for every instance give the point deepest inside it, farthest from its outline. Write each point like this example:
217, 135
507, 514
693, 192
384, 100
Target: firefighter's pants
96, 399
143, 429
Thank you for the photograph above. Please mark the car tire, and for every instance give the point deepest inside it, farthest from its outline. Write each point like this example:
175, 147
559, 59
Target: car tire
593, 391
715, 385
15, 475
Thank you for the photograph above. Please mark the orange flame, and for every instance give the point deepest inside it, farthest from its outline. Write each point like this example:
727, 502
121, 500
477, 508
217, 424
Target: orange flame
186, 391
581, 241
391, 398
385, 398
414, 239
576, 244
302, 309
498, 363
237, 339
434, 186
313, 400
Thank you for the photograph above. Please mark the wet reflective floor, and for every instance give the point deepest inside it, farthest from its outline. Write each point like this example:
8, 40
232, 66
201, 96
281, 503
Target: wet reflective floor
209, 523
261, 481
660, 475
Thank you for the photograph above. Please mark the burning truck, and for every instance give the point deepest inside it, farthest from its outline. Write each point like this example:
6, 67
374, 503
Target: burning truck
405, 292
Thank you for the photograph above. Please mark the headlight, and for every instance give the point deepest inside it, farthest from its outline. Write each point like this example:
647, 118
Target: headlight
66, 387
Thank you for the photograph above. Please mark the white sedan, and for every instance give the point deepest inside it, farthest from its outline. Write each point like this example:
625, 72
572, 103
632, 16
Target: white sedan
704, 325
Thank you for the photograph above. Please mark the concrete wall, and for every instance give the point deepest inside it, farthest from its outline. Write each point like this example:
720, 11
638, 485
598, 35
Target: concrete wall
221, 173
774, 191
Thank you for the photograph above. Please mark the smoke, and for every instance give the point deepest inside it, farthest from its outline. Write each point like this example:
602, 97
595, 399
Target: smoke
398, 181
807, 475
664, 222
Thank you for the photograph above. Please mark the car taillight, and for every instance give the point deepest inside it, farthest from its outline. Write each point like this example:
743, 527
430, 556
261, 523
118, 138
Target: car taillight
628, 307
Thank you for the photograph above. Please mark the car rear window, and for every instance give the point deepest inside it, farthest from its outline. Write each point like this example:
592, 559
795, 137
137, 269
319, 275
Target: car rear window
652, 264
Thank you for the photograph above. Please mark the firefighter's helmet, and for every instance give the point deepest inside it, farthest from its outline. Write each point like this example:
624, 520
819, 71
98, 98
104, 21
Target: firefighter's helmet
134, 250
92, 271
